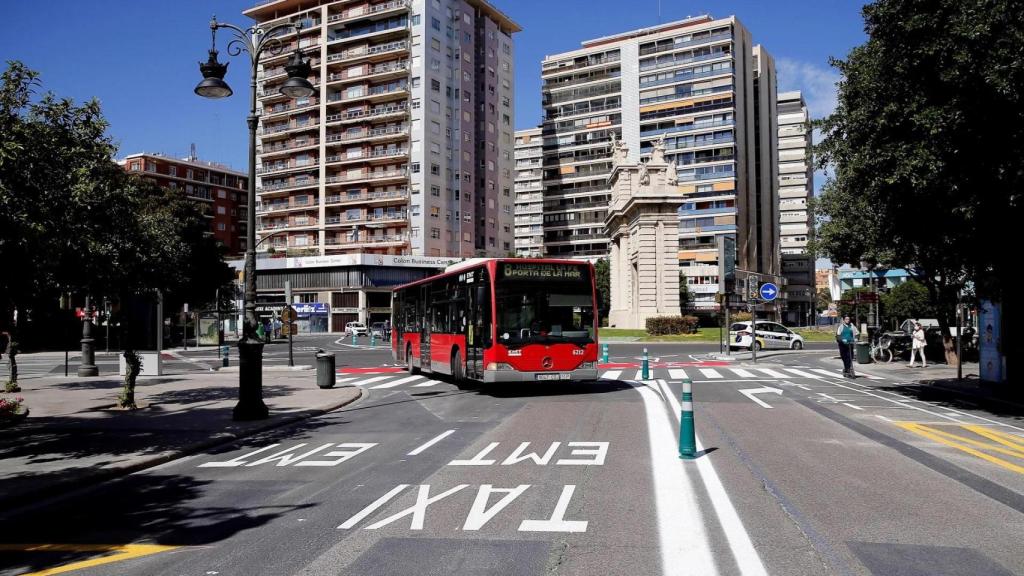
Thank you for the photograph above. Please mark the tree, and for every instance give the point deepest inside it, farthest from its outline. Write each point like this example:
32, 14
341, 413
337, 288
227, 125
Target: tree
854, 311
823, 299
925, 146
71, 220
684, 292
603, 281
908, 300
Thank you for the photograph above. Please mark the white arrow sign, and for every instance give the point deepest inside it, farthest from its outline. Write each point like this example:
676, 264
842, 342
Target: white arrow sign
749, 393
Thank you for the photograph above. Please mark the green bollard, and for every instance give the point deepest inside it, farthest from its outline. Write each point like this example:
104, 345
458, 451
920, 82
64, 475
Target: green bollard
373, 339
687, 434
645, 373
353, 338
604, 353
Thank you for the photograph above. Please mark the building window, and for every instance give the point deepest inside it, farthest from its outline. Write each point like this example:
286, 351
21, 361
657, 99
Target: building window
134, 166
172, 170
435, 191
150, 166
435, 24
435, 233
435, 169
435, 84
220, 226
435, 212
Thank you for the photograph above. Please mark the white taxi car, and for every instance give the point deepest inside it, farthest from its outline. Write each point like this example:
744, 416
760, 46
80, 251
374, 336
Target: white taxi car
769, 335
357, 328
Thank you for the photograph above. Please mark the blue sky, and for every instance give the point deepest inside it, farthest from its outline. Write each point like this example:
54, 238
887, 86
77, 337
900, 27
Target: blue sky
140, 58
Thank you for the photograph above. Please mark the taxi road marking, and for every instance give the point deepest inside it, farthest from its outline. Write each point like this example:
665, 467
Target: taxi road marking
119, 553
1005, 444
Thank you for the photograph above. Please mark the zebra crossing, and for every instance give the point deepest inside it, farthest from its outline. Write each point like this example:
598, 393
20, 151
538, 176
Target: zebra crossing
401, 379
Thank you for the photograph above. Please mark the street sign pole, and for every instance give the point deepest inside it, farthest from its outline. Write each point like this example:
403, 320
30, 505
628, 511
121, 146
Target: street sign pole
288, 321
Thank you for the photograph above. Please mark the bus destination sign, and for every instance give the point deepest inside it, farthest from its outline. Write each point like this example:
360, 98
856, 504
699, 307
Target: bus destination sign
542, 271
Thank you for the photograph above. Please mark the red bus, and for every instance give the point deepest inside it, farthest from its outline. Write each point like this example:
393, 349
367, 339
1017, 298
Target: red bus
499, 320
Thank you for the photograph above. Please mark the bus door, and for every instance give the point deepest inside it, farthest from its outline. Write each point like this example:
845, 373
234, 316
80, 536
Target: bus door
474, 331
425, 313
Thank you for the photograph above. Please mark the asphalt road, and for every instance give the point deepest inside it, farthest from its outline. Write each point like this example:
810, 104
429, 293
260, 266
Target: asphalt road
801, 472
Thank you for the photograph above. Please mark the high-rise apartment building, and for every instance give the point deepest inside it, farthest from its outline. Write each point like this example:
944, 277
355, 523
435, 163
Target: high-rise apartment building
529, 191
796, 187
222, 190
691, 82
406, 147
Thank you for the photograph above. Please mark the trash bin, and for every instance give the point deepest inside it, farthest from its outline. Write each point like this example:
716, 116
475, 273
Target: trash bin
325, 375
224, 350
863, 352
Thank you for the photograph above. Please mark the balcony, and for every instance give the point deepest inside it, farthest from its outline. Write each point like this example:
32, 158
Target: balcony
279, 129
686, 128
274, 110
368, 11
369, 114
369, 51
386, 154
346, 242
584, 62
286, 166
373, 93
397, 68
553, 115
368, 134
282, 147
366, 177
644, 51
285, 205
297, 223
383, 197
282, 186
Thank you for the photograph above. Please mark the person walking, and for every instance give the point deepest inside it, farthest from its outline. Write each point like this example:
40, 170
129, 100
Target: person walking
846, 335
918, 342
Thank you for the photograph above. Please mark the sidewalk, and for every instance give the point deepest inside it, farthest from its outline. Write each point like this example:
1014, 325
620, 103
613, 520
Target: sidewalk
941, 380
74, 436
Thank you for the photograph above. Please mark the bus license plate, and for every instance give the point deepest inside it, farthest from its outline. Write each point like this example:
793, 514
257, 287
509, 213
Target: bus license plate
555, 376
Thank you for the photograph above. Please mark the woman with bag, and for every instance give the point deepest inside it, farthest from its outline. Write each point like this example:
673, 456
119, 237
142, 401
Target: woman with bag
918, 342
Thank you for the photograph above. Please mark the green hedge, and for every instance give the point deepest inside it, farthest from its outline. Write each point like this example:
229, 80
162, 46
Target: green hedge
662, 325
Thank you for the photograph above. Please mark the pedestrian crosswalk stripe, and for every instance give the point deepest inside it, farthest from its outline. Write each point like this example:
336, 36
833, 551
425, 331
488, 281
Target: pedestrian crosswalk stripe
773, 373
611, 375
802, 374
744, 373
710, 372
639, 376
677, 373
398, 382
340, 380
371, 380
425, 384
825, 372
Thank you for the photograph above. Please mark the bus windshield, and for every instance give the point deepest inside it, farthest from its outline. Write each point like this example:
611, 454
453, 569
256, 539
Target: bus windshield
544, 304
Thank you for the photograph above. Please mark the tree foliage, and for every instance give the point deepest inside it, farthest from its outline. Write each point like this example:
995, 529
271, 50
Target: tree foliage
71, 220
908, 300
822, 299
926, 143
603, 281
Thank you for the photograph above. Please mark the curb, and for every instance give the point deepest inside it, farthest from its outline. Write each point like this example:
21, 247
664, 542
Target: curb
980, 398
91, 478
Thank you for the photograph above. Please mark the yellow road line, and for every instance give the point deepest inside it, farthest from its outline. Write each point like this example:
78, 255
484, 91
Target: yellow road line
1004, 438
985, 445
933, 435
118, 553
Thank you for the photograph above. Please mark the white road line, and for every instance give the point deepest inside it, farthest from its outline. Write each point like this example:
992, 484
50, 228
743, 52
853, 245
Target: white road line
803, 374
677, 373
431, 442
743, 373
685, 548
398, 382
827, 397
710, 373
426, 384
826, 373
639, 376
903, 404
852, 405
371, 380
742, 548
773, 373
340, 380
611, 375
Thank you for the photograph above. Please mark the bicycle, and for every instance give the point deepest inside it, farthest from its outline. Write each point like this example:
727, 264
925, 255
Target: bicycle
881, 349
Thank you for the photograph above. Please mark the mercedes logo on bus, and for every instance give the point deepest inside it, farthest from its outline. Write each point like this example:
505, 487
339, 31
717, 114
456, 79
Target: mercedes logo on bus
546, 362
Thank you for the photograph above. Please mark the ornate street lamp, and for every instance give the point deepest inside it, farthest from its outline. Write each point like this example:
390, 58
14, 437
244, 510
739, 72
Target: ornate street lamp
254, 41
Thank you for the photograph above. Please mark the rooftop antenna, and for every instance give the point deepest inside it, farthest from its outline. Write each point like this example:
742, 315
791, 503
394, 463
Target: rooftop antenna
659, 12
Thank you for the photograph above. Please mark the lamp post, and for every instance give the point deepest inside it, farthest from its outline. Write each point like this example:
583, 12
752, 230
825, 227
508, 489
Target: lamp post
254, 41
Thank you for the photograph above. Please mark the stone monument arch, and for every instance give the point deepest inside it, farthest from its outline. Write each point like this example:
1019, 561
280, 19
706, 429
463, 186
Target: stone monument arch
643, 228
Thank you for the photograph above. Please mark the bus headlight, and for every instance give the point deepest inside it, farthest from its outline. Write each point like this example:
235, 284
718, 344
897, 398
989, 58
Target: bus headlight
498, 366
588, 365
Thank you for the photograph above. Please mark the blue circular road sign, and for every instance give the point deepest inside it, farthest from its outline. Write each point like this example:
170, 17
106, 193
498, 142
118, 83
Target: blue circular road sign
769, 291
